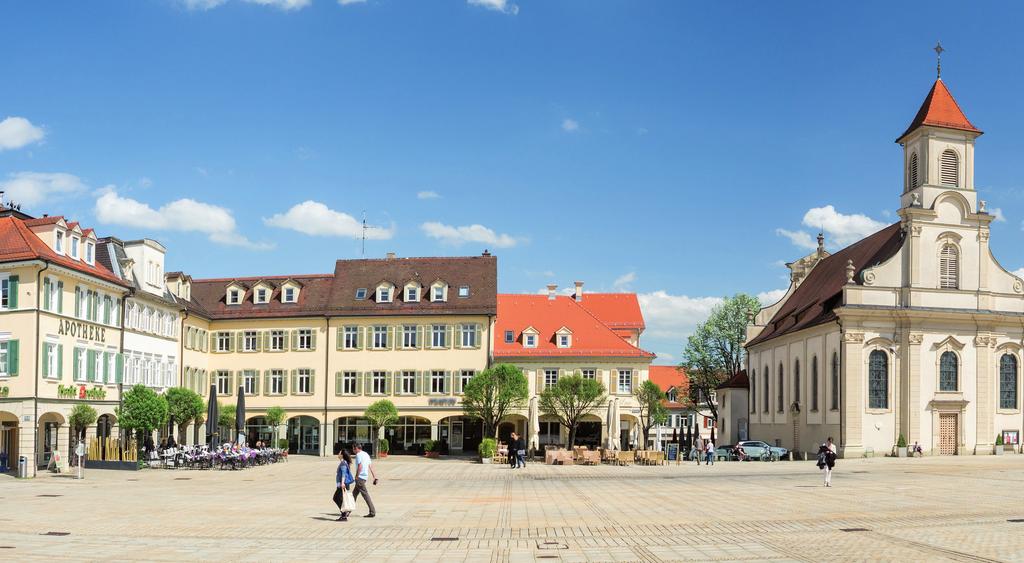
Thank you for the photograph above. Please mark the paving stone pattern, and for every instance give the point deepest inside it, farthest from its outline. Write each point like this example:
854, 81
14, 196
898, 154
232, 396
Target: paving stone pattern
931, 509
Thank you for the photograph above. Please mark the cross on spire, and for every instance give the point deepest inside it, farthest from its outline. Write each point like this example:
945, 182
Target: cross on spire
938, 59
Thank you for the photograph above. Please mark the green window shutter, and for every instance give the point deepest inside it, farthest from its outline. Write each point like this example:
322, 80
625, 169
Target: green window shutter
366, 378
106, 311
448, 333
312, 381
74, 364
391, 337
213, 341
635, 382
389, 389
337, 383
239, 340
46, 293
312, 340
12, 356
90, 365
339, 338
540, 380
457, 331
12, 286
295, 340
78, 300
45, 359
266, 381
476, 336
259, 341
360, 337
60, 361
450, 378
419, 336
119, 368
294, 381
106, 366
60, 297
256, 382
264, 338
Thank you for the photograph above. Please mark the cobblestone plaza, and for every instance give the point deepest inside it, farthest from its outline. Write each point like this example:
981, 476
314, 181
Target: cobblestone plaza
962, 509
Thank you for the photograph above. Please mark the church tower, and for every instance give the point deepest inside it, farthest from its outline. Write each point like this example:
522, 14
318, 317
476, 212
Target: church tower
938, 152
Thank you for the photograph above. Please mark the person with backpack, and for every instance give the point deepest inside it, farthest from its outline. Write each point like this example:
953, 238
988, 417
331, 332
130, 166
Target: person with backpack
827, 460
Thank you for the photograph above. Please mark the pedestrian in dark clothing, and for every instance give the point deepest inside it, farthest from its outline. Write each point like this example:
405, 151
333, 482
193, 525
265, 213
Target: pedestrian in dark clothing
513, 447
827, 460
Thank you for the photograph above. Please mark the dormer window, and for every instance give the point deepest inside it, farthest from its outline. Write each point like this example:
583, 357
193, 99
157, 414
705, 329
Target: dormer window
671, 395
564, 340
463, 291
439, 292
529, 340
412, 293
262, 295
234, 297
58, 242
74, 247
384, 294
90, 253
360, 294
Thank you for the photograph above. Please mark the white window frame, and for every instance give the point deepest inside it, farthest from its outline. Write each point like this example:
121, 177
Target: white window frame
58, 244
564, 340
589, 373
3, 358
350, 338
90, 253
98, 365
529, 340
277, 340
438, 292
380, 337
253, 345
288, 295
468, 336
234, 297
223, 382
412, 294
276, 382
438, 333
384, 294
249, 381
223, 341
361, 294
305, 341
438, 379
408, 382
75, 241
464, 376
302, 382
625, 383
378, 382
550, 377
51, 361
463, 291
5, 292
262, 295
409, 339
348, 383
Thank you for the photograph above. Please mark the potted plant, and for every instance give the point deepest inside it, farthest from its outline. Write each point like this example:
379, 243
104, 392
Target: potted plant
431, 449
901, 446
384, 448
487, 448
999, 444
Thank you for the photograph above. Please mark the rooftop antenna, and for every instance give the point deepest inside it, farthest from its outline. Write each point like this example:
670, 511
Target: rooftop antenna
938, 59
366, 227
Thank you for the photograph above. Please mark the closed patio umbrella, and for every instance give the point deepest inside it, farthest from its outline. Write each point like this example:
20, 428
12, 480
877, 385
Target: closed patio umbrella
616, 434
240, 416
211, 418
534, 426
610, 423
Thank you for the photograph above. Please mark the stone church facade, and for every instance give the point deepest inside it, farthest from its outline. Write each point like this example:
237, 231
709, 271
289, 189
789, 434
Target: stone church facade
915, 330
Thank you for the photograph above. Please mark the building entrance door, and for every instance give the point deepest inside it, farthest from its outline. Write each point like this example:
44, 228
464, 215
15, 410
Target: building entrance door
456, 443
948, 432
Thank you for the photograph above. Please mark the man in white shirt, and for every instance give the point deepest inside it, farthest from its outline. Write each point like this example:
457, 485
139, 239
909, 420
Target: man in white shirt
363, 471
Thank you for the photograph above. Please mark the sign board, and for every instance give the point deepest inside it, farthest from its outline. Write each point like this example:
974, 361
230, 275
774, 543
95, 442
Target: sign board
1011, 437
673, 451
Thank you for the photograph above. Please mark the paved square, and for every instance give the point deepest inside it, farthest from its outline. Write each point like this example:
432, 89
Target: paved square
959, 509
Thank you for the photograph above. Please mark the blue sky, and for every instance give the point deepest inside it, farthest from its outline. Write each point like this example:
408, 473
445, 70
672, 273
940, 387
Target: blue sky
658, 147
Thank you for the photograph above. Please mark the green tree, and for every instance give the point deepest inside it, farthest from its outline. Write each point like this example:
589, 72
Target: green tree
183, 406
380, 415
226, 417
81, 417
493, 393
714, 352
274, 417
652, 410
569, 399
141, 410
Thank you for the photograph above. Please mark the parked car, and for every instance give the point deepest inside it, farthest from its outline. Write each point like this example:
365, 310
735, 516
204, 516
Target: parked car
758, 450
724, 453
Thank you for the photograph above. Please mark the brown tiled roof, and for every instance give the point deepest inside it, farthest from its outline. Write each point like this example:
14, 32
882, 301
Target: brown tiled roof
738, 381
480, 273
209, 298
940, 110
18, 242
43, 221
813, 302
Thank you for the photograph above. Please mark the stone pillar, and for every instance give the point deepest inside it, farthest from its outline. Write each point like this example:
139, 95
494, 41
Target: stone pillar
852, 400
912, 398
328, 448
62, 442
27, 446
984, 404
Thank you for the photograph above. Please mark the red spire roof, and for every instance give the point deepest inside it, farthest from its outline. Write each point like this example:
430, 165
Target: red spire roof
940, 110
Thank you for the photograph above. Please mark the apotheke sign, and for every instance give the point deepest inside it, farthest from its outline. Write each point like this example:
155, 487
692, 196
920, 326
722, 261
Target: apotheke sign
82, 330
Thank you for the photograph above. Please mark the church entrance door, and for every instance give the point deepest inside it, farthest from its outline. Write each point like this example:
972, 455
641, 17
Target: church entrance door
948, 432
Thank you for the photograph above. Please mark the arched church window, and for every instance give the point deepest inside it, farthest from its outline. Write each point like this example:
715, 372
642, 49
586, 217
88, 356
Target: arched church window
781, 390
814, 383
878, 380
1008, 382
796, 381
948, 376
764, 391
912, 181
949, 168
835, 381
949, 267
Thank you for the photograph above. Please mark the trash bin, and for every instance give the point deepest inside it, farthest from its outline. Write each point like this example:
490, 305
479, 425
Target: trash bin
22, 467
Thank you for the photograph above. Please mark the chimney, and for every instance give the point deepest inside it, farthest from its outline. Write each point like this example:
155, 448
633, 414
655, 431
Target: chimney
551, 291
486, 252
579, 291
390, 256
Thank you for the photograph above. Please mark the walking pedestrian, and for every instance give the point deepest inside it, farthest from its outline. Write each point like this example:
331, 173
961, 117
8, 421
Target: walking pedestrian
827, 460
513, 446
343, 480
698, 449
709, 450
363, 471
520, 452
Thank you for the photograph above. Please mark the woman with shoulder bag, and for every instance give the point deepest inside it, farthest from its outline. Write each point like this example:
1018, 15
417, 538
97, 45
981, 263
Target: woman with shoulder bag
343, 480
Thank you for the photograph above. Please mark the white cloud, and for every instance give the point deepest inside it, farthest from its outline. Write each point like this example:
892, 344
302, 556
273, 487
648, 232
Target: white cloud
570, 125
770, 297
674, 316
283, 4
468, 233
33, 188
622, 282
1019, 273
184, 214
665, 358
316, 219
202, 4
503, 6
997, 212
799, 238
16, 132
427, 194
840, 229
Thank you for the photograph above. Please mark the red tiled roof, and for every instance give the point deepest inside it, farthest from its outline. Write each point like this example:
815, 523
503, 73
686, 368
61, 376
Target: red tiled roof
617, 310
738, 381
940, 110
667, 377
43, 221
813, 302
18, 242
591, 337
